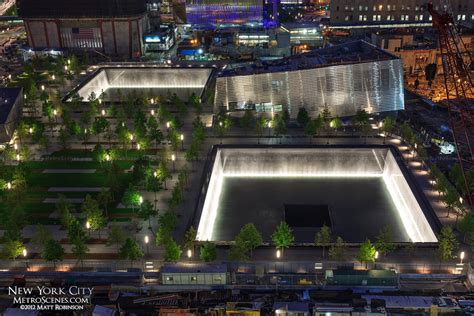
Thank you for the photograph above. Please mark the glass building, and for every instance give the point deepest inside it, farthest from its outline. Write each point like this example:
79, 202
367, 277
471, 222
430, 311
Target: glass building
345, 78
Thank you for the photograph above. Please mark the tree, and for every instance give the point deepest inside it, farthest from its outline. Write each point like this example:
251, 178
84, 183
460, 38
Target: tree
361, 117
310, 130
366, 253
279, 125
248, 238
12, 249
302, 117
384, 240
146, 211
466, 225
53, 251
336, 123
388, 125
130, 250
40, 237
172, 251
163, 172
450, 199
94, 214
116, 236
247, 120
260, 126
166, 224
190, 238
237, 252
80, 250
323, 238
337, 250
283, 236
447, 243
104, 198
131, 197
208, 252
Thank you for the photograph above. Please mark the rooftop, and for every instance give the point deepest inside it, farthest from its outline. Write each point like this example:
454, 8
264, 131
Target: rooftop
347, 53
79, 8
8, 97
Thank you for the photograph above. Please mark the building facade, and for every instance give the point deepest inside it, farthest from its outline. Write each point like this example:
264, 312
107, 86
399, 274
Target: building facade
389, 13
11, 103
111, 27
345, 78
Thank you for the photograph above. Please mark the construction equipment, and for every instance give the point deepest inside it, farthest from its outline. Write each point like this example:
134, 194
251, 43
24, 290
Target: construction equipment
456, 62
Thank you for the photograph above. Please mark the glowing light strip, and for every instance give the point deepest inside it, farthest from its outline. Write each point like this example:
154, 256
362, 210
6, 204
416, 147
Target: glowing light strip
302, 175
401, 206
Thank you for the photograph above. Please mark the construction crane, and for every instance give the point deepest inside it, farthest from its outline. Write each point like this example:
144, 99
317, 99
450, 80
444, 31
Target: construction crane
456, 61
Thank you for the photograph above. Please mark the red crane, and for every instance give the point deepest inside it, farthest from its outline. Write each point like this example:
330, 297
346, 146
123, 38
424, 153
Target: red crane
456, 61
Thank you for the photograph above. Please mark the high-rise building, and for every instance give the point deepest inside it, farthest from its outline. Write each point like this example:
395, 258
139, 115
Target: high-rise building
393, 13
112, 27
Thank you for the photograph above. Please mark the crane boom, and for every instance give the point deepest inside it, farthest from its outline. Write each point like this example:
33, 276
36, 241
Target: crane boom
458, 84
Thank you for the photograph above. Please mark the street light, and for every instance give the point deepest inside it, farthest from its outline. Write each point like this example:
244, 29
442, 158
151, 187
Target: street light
278, 253
9, 185
152, 112
460, 199
173, 159
107, 157
269, 124
88, 225
461, 256
140, 199
18, 157
131, 137
138, 146
168, 124
147, 240
189, 253
15, 146
103, 112
42, 87
155, 174
25, 253
30, 130
376, 255
182, 141
53, 77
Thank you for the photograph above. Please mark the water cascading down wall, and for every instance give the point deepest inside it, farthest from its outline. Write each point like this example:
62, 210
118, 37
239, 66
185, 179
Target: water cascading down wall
127, 78
317, 163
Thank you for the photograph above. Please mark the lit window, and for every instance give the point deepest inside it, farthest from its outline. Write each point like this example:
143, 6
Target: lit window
403, 7
379, 17
430, 18
361, 18
169, 278
417, 8
394, 8
374, 17
367, 9
346, 8
360, 8
463, 17
421, 17
380, 7
346, 18
374, 8
388, 7
365, 17
402, 17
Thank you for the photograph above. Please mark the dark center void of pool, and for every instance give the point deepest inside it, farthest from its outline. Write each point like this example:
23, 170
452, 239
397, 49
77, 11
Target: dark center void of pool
307, 216
358, 207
